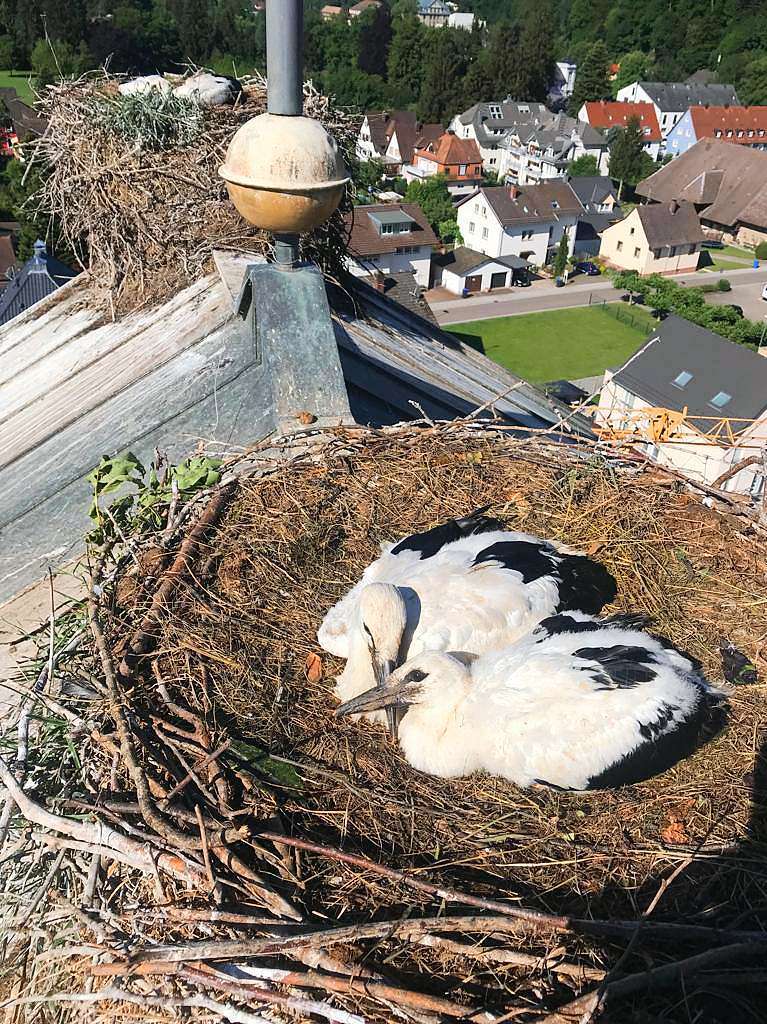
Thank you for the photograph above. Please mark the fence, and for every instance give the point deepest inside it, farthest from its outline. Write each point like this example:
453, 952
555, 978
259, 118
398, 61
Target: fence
618, 311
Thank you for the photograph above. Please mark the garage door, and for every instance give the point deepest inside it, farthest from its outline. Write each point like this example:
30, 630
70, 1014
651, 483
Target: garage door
474, 283
498, 280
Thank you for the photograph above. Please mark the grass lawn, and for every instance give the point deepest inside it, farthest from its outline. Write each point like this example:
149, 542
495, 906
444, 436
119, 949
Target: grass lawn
722, 264
559, 343
17, 80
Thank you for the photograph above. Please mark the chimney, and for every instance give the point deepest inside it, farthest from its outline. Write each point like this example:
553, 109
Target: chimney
673, 206
513, 192
379, 281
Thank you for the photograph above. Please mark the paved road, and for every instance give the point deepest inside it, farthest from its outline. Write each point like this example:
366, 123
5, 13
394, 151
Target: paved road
542, 295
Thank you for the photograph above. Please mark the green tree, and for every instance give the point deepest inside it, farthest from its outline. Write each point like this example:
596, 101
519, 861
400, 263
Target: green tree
634, 67
434, 199
583, 166
591, 79
449, 232
753, 85
406, 52
535, 54
374, 36
443, 74
629, 163
366, 175
560, 259
195, 29
353, 88
7, 51
57, 59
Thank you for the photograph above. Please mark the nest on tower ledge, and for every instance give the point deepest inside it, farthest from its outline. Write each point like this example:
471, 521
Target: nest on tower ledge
208, 808
133, 187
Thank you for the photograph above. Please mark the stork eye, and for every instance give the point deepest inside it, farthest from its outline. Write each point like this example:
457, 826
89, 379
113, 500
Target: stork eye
415, 676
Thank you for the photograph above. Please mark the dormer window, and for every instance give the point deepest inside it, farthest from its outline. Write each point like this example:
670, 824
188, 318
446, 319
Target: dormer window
682, 380
554, 204
720, 399
495, 111
392, 222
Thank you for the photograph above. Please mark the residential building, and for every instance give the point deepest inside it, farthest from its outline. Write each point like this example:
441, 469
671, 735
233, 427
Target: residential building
671, 99
364, 5
697, 400
459, 160
392, 136
27, 123
661, 238
599, 198
464, 21
40, 276
489, 123
607, 116
434, 13
512, 221
727, 185
390, 239
563, 82
331, 11
744, 126
531, 155
463, 270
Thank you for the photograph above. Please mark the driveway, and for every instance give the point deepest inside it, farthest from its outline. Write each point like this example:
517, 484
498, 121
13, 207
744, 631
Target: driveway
582, 291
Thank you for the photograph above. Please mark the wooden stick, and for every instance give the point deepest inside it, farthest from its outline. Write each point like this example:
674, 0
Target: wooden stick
188, 777
659, 977
205, 851
489, 954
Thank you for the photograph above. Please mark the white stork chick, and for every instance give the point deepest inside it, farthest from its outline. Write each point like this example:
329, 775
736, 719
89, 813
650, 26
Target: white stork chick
580, 703
466, 585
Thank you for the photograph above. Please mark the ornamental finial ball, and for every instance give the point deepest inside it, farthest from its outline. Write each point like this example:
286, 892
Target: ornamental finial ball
284, 174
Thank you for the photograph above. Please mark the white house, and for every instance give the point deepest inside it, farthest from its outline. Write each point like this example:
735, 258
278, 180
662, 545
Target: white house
391, 239
563, 81
393, 136
672, 99
528, 222
695, 402
464, 270
488, 124
607, 115
659, 238
529, 155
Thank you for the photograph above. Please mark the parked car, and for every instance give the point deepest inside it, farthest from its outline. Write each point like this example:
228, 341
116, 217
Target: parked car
764, 293
635, 298
559, 282
713, 244
737, 309
659, 314
587, 267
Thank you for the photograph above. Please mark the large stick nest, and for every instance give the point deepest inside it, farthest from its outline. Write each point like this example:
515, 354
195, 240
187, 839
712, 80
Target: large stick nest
145, 213
228, 654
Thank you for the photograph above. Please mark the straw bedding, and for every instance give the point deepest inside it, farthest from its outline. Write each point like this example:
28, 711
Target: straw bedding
236, 645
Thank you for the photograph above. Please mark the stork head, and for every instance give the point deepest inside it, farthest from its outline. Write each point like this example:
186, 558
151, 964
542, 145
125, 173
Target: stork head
384, 617
432, 681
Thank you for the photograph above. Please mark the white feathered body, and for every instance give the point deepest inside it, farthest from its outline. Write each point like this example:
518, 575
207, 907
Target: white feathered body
539, 712
452, 604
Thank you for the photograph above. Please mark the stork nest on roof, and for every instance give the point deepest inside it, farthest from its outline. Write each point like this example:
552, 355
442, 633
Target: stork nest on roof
134, 187
222, 709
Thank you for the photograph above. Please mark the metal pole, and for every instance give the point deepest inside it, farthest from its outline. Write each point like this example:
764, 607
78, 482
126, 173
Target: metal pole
285, 86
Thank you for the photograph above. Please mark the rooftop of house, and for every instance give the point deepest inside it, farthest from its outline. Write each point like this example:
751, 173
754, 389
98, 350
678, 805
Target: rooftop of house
41, 275
410, 131
558, 135
401, 287
676, 96
448, 149
8, 261
27, 123
686, 366
742, 125
463, 260
75, 384
439, 6
385, 227
501, 116
728, 182
530, 204
592, 189
606, 114
363, 5
670, 224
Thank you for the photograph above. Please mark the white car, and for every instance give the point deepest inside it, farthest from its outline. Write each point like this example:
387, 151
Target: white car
764, 292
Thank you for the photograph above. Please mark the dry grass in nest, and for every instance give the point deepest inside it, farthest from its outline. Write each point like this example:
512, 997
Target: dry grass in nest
292, 545
145, 221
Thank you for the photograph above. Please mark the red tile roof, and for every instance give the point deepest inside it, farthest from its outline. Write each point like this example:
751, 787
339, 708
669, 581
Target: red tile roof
607, 114
449, 149
707, 121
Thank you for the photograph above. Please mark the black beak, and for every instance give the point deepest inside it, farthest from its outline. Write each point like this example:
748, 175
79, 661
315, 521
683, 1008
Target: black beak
386, 696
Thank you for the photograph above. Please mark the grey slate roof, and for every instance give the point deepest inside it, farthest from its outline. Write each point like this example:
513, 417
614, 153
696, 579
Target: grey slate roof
670, 224
40, 275
715, 364
533, 203
513, 114
190, 373
675, 96
592, 189
463, 260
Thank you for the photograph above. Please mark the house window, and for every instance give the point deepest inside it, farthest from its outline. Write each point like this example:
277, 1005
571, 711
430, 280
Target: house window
476, 207
672, 250
656, 254
619, 246
682, 379
637, 250
484, 232
472, 226
495, 110
492, 160
720, 399
462, 168
484, 211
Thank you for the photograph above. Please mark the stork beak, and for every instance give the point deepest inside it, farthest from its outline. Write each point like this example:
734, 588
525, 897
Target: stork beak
382, 670
388, 695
